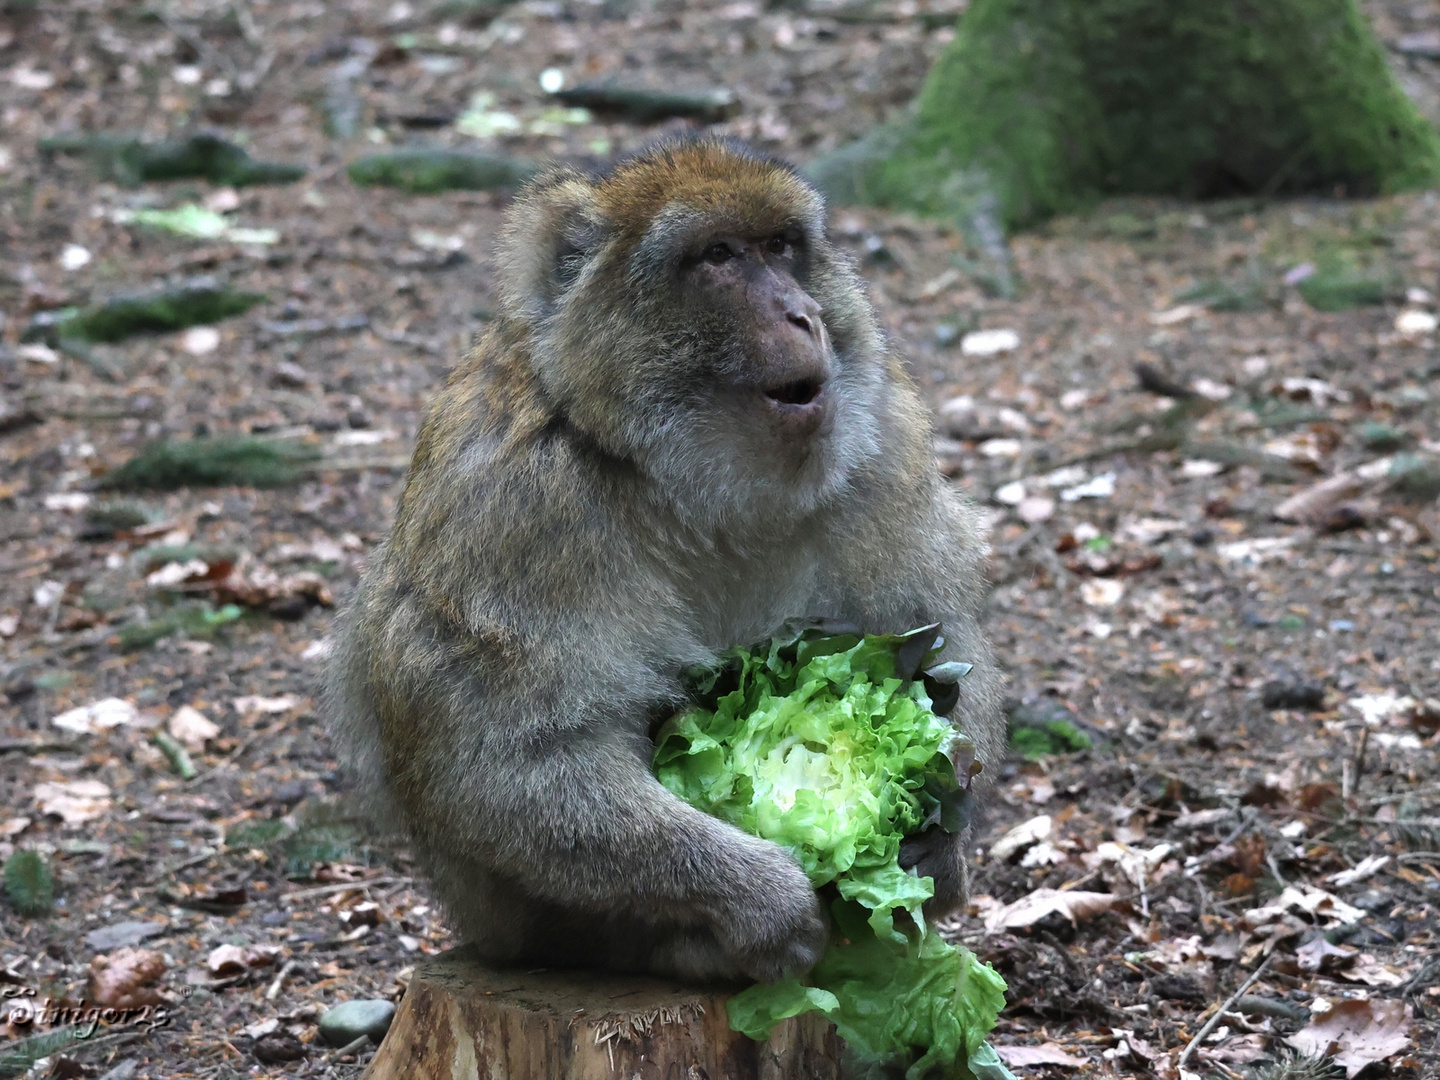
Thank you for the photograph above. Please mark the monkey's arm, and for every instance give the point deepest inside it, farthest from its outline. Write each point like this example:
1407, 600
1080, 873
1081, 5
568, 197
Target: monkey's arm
529, 757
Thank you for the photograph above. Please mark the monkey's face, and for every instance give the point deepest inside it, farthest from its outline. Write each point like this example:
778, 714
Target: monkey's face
688, 312
765, 362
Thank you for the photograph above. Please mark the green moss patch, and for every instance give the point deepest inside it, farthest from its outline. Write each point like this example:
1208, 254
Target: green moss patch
1047, 104
130, 161
29, 883
1046, 727
193, 304
1217, 295
424, 172
1054, 737
213, 462
1340, 290
198, 622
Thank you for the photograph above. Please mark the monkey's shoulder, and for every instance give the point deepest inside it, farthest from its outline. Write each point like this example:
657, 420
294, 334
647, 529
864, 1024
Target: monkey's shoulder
506, 501
491, 399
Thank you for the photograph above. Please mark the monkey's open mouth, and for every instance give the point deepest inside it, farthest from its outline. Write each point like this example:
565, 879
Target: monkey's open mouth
799, 392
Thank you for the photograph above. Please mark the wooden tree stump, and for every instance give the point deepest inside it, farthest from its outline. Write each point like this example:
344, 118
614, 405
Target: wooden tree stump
462, 1020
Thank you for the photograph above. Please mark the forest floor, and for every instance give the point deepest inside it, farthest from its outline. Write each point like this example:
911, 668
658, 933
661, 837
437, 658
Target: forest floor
1263, 780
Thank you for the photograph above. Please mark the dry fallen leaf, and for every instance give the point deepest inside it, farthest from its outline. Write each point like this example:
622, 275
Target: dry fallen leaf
254, 703
97, 716
261, 1028
1045, 1054
1138, 1047
253, 585
1356, 1033
1135, 863
1316, 504
1370, 971
1320, 955
1239, 1050
75, 802
227, 960
192, 728
1029, 910
1021, 837
125, 979
1367, 867
1312, 901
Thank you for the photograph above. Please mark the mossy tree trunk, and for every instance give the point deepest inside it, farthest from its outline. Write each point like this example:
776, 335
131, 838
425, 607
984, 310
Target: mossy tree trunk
1040, 105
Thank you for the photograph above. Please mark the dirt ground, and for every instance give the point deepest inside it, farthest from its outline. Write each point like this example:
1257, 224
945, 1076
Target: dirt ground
1262, 785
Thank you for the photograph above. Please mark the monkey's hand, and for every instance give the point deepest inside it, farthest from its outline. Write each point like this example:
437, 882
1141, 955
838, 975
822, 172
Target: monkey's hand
938, 855
769, 920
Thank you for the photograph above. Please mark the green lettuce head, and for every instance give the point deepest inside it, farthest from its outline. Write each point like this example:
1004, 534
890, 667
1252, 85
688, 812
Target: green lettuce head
827, 742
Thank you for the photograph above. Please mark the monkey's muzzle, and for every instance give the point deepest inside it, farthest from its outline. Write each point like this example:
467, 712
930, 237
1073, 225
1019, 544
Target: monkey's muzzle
797, 405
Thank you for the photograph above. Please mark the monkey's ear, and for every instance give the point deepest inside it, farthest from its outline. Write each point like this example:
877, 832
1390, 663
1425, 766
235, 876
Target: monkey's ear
552, 231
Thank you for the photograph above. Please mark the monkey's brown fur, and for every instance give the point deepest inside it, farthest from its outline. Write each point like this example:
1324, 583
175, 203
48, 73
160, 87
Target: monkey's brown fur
592, 508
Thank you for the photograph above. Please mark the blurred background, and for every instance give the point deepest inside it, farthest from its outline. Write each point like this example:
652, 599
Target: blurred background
1166, 271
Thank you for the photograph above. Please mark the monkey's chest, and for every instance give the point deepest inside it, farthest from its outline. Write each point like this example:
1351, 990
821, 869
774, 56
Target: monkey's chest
728, 610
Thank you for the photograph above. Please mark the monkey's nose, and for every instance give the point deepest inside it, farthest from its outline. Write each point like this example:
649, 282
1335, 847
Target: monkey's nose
803, 312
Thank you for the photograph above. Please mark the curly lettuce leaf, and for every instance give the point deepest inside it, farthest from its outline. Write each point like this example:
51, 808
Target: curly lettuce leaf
827, 744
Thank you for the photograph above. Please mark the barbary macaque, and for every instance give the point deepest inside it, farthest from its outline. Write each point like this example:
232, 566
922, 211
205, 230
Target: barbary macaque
683, 429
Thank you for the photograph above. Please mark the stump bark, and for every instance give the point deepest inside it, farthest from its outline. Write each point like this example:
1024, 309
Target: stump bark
462, 1019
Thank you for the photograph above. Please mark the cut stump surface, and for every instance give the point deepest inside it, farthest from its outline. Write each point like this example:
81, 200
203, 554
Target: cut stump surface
462, 1019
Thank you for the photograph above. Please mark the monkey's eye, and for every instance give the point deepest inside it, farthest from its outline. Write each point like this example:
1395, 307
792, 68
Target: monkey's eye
778, 245
718, 253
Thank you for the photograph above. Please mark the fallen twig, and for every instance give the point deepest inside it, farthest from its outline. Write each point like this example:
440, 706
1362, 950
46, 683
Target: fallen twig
1419, 857
1210, 1025
276, 984
1418, 980
344, 886
352, 1047
234, 755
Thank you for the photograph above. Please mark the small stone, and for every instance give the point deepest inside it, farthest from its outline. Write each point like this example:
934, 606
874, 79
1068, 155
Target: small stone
200, 340
278, 1047
1382, 437
290, 375
961, 418
1416, 323
989, 342
1034, 509
118, 935
1001, 447
1012, 494
1102, 592
1293, 694
73, 257
349, 1020
289, 793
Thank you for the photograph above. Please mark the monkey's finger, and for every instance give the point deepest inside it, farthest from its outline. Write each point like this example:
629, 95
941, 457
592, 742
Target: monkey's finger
914, 849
